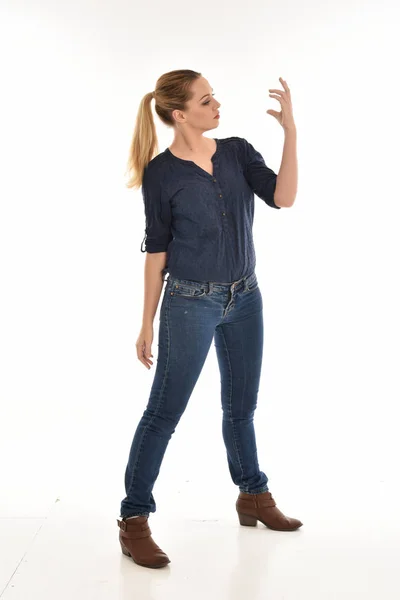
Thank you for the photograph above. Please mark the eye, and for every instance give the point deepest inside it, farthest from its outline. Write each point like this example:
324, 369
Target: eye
208, 101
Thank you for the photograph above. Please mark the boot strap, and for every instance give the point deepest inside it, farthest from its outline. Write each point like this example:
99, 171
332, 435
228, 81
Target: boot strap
266, 503
136, 535
254, 501
132, 531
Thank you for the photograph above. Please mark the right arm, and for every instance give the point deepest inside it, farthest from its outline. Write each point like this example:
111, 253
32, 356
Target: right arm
153, 284
158, 237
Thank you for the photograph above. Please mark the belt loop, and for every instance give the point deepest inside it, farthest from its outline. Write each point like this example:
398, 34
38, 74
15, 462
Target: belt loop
210, 287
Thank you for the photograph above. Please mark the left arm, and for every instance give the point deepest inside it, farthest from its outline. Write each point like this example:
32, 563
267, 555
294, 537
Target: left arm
286, 183
287, 178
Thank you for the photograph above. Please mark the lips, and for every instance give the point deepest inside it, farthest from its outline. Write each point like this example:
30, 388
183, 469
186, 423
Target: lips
217, 116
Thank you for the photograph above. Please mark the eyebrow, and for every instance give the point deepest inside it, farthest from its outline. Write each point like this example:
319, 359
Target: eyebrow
205, 96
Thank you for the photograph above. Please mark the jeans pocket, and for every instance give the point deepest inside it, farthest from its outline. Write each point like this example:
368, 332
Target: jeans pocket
187, 291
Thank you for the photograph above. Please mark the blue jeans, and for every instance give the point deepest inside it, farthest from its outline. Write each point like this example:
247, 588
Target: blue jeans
192, 314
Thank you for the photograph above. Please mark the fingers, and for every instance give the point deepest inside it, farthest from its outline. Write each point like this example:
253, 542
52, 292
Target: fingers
280, 98
285, 91
285, 85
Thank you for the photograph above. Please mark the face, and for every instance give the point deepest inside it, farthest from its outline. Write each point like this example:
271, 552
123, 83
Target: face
202, 108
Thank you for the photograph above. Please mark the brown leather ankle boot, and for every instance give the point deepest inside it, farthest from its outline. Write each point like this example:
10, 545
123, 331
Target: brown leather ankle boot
262, 507
136, 542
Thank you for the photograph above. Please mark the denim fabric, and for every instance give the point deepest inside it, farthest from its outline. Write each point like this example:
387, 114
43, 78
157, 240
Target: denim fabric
192, 315
205, 222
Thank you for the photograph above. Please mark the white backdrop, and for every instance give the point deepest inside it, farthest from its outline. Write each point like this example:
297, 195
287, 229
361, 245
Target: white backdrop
72, 273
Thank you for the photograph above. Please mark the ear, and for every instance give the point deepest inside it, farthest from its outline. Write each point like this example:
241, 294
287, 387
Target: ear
178, 116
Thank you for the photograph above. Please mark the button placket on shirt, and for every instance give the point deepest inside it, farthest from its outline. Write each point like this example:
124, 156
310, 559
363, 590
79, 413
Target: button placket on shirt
223, 213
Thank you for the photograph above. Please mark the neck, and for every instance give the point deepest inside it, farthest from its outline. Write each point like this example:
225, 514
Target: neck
191, 143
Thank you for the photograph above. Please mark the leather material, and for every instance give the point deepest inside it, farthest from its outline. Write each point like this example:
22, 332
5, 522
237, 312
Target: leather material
136, 542
262, 507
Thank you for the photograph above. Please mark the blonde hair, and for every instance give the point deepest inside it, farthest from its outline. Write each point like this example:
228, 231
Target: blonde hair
172, 93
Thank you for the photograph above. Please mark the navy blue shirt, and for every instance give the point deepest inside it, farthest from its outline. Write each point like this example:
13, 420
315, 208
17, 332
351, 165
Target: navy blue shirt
205, 222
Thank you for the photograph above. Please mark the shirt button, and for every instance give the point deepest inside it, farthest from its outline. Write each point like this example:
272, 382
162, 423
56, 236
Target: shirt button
220, 195
223, 214
214, 180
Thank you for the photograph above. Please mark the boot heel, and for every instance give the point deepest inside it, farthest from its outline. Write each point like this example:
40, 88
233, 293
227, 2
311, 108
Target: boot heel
125, 550
248, 521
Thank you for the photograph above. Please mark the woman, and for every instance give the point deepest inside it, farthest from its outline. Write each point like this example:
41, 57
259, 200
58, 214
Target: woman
199, 204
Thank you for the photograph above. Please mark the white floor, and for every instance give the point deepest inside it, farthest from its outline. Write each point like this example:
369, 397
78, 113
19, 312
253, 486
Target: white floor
348, 547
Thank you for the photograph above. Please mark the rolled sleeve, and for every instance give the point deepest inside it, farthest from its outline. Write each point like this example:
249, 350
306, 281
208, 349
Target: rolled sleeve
260, 178
157, 210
